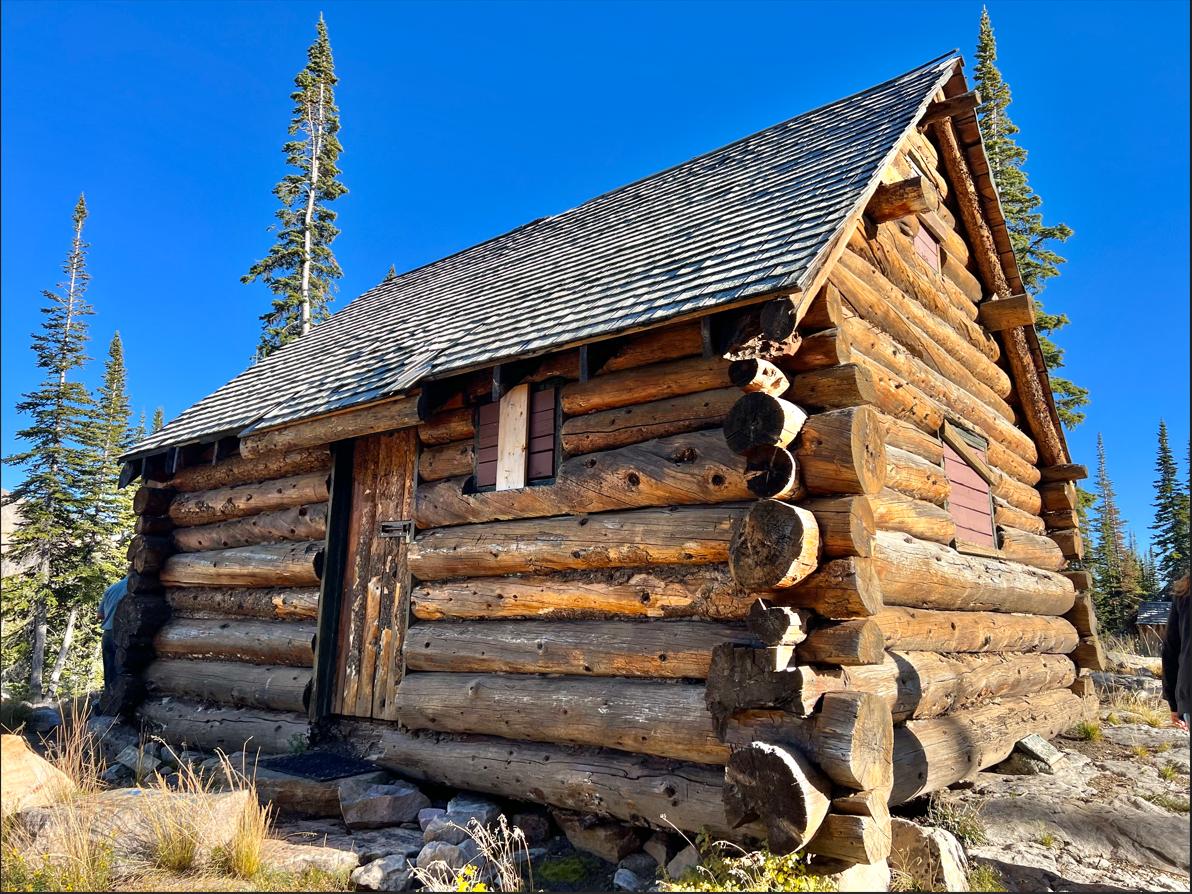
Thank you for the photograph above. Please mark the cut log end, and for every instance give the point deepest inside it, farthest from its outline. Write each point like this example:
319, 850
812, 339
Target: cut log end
775, 545
758, 375
762, 420
779, 787
772, 473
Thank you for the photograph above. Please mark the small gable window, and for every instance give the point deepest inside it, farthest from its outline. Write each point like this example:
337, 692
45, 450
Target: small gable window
928, 248
515, 438
970, 502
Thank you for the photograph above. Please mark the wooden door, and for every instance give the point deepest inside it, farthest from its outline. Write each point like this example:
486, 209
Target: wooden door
376, 586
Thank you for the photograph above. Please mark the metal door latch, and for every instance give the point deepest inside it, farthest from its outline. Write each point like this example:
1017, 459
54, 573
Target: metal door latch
402, 530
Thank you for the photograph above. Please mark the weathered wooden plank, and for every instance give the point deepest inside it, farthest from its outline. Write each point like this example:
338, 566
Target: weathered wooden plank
263, 565
231, 730
636, 423
646, 383
677, 535
673, 649
268, 603
379, 417
223, 504
240, 639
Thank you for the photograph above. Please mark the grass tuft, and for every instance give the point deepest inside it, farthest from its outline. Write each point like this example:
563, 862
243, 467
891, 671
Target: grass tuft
1169, 802
961, 818
725, 866
1141, 751
1089, 731
983, 877
1170, 772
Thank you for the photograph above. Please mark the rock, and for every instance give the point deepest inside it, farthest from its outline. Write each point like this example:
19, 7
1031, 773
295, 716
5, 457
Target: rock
531, 854
386, 874
140, 761
626, 880
535, 826
455, 856
27, 779
43, 719
372, 806
853, 877
1020, 764
112, 734
449, 827
931, 857
426, 814
118, 776
640, 864
297, 858
661, 846
471, 806
682, 861
607, 840
1035, 746
377, 843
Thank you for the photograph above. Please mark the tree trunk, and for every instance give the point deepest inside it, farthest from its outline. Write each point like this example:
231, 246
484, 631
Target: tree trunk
674, 649
63, 652
37, 657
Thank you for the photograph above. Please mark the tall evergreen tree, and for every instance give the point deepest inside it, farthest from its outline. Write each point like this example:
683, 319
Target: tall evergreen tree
1029, 235
53, 536
139, 433
1115, 575
300, 268
159, 420
109, 436
1171, 524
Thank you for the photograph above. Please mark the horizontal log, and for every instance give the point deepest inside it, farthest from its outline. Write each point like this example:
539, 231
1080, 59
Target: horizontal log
1083, 615
208, 506
1035, 550
1089, 654
842, 451
1011, 517
645, 383
914, 477
635, 423
910, 629
663, 592
153, 525
695, 468
680, 535
1069, 542
444, 428
242, 470
845, 643
819, 350
933, 754
655, 346
307, 522
762, 420
776, 625
1012, 312
448, 460
231, 683
962, 105
892, 250
386, 416
1082, 578
1059, 520
1013, 491
663, 719
1065, 472
775, 545
758, 375
919, 574
268, 603
674, 649
265, 565
894, 200
895, 511
840, 589
599, 782
846, 524
230, 730
914, 440
1057, 495
150, 500
258, 642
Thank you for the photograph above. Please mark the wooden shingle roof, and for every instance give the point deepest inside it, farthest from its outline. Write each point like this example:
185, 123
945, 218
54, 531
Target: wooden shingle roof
751, 218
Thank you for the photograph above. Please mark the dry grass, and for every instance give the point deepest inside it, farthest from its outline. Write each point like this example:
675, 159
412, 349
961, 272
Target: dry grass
1169, 802
1088, 730
1141, 751
1170, 772
983, 877
1133, 706
961, 818
503, 852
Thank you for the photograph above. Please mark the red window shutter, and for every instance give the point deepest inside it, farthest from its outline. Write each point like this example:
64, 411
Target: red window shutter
927, 248
969, 502
542, 434
487, 416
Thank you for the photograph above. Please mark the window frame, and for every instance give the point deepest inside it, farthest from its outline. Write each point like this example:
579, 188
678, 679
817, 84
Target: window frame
552, 384
961, 442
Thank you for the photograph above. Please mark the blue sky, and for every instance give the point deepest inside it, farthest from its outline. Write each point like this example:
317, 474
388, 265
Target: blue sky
462, 120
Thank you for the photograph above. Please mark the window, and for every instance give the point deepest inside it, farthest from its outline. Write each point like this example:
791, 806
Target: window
969, 502
515, 438
928, 248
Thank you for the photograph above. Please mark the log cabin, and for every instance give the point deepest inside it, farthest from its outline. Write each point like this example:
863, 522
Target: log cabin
735, 496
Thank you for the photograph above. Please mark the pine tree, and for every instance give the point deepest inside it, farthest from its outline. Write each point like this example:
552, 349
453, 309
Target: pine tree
139, 433
109, 437
1148, 577
1115, 577
159, 420
54, 535
300, 268
1029, 235
1171, 524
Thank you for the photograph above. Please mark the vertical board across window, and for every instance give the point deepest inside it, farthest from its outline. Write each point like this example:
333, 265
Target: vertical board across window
928, 248
969, 502
515, 438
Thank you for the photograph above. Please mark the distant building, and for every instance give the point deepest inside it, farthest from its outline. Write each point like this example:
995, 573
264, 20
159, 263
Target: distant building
1152, 621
